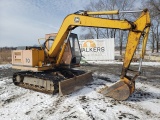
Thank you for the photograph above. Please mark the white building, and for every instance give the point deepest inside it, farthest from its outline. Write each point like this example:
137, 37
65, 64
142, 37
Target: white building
97, 49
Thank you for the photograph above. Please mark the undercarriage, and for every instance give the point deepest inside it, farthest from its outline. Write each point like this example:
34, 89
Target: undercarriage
51, 81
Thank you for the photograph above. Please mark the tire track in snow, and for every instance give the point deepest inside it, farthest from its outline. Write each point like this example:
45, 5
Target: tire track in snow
8, 92
11, 99
55, 106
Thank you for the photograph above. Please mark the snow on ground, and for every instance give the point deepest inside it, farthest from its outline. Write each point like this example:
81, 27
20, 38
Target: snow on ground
6, 66
18, 103
86, 104
133, 63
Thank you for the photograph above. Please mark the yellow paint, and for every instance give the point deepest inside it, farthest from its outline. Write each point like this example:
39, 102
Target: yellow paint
61, 54
104, 12
40, 63
134, 37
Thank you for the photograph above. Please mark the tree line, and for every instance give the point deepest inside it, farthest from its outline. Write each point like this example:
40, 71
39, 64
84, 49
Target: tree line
120, 35
7, 48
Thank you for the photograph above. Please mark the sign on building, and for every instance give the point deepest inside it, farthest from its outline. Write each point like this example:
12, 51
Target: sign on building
97, 49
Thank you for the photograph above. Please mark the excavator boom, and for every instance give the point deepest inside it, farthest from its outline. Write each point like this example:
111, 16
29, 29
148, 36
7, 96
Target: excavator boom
76, 20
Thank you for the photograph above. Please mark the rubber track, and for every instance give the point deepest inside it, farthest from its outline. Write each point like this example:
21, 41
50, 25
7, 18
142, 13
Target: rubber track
39, 75
46, 75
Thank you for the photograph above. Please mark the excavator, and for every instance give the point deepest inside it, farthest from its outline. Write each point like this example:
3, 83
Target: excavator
51, 68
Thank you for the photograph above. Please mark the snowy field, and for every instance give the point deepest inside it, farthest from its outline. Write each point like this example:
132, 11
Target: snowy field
157, 64
86, 104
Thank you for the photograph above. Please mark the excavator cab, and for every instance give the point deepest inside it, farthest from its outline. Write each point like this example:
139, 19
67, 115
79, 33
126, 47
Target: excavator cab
72, 54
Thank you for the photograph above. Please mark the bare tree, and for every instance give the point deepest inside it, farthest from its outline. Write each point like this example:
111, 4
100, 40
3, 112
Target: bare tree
152, 36
154, 7
88, 35
103, 5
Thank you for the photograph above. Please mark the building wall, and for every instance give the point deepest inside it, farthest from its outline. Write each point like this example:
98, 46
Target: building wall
97, 49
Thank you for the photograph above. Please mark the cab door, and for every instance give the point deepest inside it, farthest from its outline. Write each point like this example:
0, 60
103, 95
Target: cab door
75, 49
72, 54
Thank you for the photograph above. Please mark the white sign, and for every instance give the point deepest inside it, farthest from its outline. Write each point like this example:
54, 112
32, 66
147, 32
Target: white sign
97, 49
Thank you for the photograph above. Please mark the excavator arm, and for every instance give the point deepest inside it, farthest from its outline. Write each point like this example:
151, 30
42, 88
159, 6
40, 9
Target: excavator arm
126, 85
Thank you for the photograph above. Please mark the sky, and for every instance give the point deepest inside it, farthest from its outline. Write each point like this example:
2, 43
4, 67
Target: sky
22, 22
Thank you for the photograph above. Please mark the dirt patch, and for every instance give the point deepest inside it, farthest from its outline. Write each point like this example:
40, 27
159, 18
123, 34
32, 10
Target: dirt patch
5, 56
150, 75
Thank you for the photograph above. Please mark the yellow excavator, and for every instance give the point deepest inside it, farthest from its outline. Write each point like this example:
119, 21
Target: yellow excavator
49, 68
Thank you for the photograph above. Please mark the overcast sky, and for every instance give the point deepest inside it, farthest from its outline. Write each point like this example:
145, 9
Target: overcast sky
22, 22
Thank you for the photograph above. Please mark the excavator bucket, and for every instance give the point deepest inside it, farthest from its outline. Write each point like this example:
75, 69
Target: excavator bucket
70, 85
120, 90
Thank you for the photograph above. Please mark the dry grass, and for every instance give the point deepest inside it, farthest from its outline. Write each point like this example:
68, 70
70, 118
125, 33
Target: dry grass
5, 56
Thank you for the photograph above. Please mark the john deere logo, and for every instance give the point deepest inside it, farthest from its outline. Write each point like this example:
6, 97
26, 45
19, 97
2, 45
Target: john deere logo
90, 46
